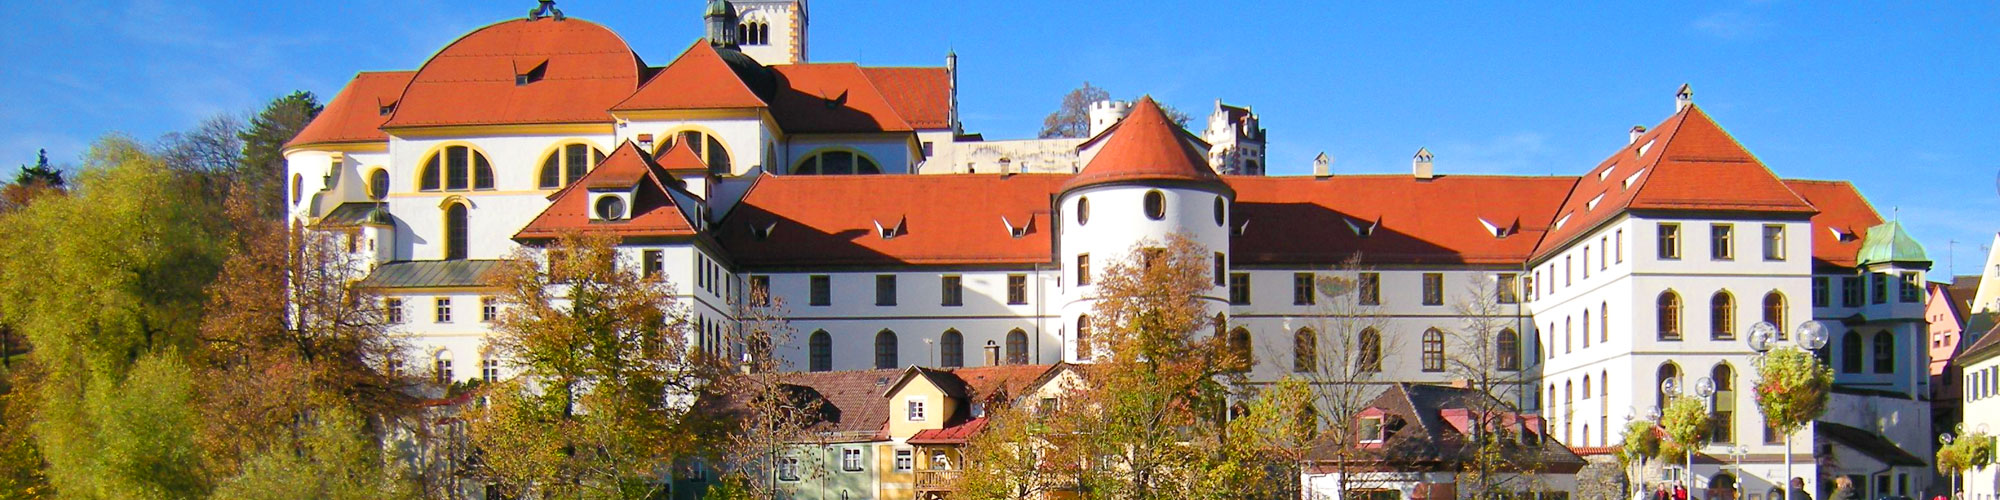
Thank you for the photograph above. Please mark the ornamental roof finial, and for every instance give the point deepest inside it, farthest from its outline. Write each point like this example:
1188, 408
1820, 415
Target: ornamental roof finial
546, 9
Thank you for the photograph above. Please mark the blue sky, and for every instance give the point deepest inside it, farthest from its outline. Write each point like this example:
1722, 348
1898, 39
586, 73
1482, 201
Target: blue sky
1899, 98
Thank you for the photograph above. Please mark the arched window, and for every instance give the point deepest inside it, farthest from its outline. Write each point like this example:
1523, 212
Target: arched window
1586, 328
1586, 387
456, 219
763, 34
441, 367
1082, 210
1220, 212
1724, 404
1368, 355
1668, 370
1156, 205
885, 349
1305, 351
1850, 353
1569, 399
1722, 316
378, 184
1774, 312
1603, 322
1083, 350
951, 349
705, 146
837, 163
1885, 352
1241, 353
456, 168
822, 352
1017, 347
1670, 315
1509, 350
567, 164
1433, 350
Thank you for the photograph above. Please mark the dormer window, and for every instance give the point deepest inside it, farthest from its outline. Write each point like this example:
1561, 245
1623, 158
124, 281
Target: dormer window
610, 207
1370, 430
526, 73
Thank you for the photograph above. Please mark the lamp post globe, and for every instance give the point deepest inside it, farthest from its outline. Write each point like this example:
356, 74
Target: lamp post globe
1761, 335
1670, 387
1811, 335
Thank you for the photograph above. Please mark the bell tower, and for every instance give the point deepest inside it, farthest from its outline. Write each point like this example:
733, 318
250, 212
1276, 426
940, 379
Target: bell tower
720, 17
771, 31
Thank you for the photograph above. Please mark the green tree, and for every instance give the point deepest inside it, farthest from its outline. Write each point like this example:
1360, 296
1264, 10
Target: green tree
108, 286
263, 161
1792, 388
1686, 422
607, 373
335, 461
31, 182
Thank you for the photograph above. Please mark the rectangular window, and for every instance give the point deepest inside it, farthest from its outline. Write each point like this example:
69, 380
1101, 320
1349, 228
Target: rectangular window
392, 311
885, 289
1722, 241
1370, 430
915, 410
1619, 236
906, 459
1221, 269
788, 469
1302, 289
1082, 269
489, 309
1670, 241
1569, 272
1528, 287
1822, 296
1370, 289
1603, 260
760, 291
1852, 291
1433, 289
1586, 262
1239, 288
1017, 289
1503, 288
1881, 288
444, 309
822, 290
700, 272
850, 459
954, 291
1913, 290
1774, 242
489, 368
653, 261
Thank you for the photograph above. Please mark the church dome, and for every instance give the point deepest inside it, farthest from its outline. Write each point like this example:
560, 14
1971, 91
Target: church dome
719, 8
522, 72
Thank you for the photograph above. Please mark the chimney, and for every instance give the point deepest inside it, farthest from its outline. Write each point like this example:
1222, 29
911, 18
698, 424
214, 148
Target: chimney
1323, 166
1637, 130
1683, 98
1420, 165
951, 79
646, 142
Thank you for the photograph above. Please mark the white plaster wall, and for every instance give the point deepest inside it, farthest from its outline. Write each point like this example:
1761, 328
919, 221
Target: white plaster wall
891, 152
853, 319
495, 215
1118, 223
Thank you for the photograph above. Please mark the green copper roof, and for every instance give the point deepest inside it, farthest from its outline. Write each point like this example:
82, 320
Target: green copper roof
1890, 243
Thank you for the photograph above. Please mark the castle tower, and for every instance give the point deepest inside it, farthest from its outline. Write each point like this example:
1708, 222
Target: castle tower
1236, 141
1104, 114
1147, 182
771, 31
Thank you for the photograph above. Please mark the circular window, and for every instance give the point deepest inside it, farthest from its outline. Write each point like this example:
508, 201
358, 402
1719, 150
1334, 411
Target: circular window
1156, 205
1219, 213
1082, 211
378, 184
610, 208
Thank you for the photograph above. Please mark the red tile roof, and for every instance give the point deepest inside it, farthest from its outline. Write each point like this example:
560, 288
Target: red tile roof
654, 212
921, 95
858, 408
1841, 210
587, 69
832, 98
355, 114
954, 434
681, 158
950, 219
1692, 164
698, 79
1146, 146
1304, 220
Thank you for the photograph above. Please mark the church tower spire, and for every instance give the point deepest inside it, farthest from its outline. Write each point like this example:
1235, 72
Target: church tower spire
721, 20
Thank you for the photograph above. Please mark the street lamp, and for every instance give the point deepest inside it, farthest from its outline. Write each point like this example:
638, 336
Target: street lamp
1703, 388
1943, 441
1810, 336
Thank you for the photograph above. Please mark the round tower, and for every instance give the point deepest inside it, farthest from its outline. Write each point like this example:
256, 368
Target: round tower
1146, 184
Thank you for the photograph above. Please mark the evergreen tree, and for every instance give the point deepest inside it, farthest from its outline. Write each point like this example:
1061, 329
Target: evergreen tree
263, 160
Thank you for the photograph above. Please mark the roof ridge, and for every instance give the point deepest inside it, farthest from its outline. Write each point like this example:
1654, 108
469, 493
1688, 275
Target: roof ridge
884, 97
661, 73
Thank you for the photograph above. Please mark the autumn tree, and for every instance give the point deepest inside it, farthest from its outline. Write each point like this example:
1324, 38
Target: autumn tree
1072, 118
1021, 454
607, 376
1475, 357
108, 284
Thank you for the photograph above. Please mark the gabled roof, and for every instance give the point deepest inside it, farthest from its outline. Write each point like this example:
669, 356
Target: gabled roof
680, 157
355, 114
582, 68
1888, 243
921, 95
853, 404
1146, 146
653, 212
1304, 220
1687, 163
1434, 431
805, 220
699, 79
1842, 211
832, 98
433, 274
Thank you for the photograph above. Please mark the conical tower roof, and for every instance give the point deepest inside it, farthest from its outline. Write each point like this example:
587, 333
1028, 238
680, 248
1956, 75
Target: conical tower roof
1147, 147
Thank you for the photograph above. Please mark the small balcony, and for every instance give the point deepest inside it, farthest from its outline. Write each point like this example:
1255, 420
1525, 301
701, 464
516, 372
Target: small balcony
930, 480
